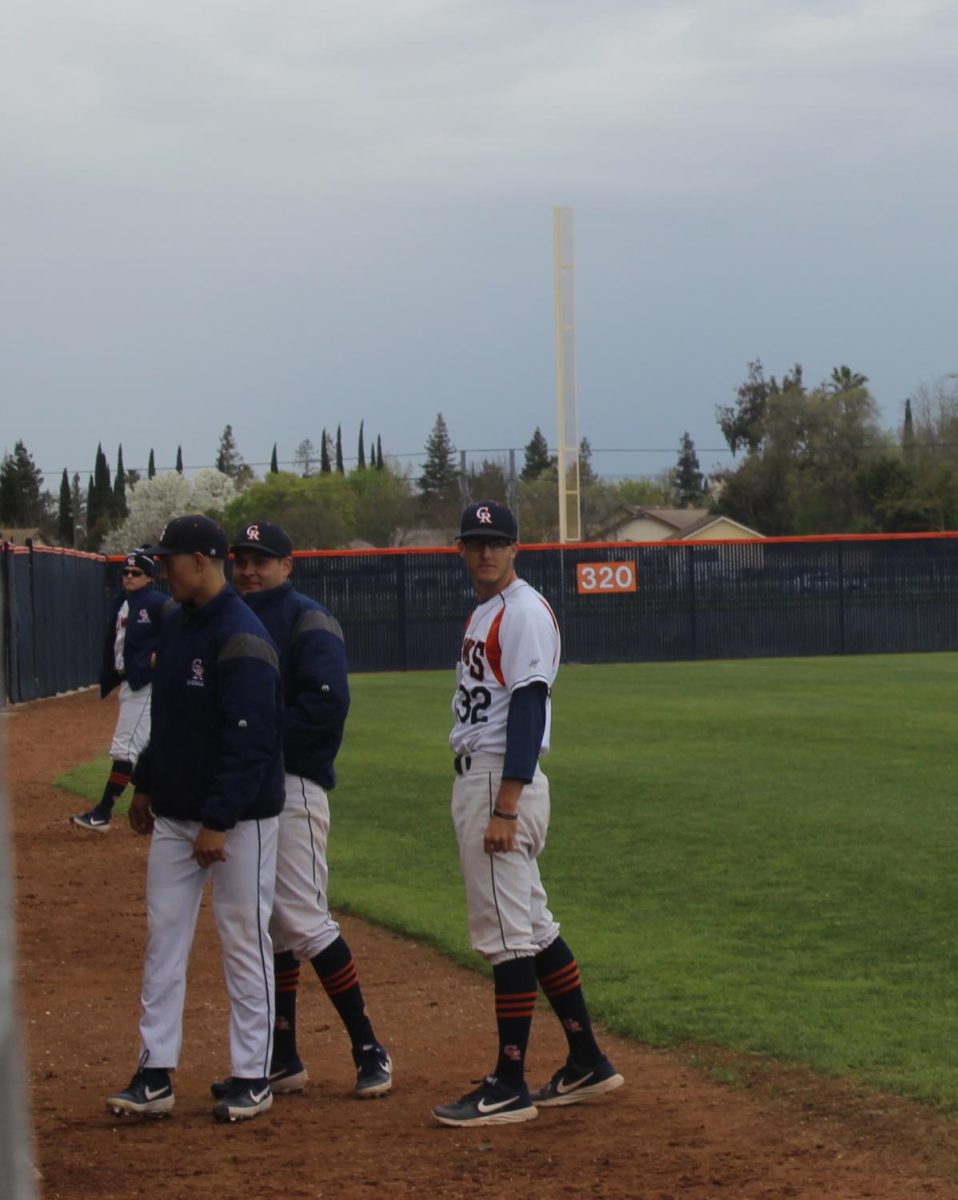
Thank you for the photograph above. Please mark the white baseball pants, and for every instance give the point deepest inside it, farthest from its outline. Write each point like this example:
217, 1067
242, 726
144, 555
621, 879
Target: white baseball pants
132, 725
508, 908
301, 921
242, 901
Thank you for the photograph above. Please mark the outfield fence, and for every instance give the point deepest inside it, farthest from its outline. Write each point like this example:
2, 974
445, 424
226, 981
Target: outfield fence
615, 602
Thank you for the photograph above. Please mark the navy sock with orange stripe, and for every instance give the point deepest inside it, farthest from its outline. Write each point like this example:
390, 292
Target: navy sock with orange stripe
337, 973
286, 968
515, 983
121, 772
558, 975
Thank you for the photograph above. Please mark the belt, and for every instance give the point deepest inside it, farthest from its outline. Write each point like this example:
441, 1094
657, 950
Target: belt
479, 761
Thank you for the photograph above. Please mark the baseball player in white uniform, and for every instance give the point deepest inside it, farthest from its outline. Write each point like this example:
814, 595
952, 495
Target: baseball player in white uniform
128, 646
500, 810
312, 665
209, 787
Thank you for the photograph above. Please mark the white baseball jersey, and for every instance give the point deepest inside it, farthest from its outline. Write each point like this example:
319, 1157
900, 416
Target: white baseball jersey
119, 640
511, 640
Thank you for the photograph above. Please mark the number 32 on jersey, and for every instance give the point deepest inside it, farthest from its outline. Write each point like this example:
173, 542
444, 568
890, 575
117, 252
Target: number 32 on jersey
471, 703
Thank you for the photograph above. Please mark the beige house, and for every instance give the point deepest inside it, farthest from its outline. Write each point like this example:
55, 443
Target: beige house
635, 524
19, 537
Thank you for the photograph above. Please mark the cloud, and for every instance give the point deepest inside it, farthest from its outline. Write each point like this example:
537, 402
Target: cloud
456, 98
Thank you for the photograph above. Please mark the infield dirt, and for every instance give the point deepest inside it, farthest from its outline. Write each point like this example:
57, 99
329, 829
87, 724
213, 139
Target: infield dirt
671, 1133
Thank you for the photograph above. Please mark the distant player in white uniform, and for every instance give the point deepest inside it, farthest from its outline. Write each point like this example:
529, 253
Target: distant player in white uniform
500, 809
129, 644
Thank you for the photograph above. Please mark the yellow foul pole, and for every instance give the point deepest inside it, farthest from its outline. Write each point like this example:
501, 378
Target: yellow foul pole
567, 405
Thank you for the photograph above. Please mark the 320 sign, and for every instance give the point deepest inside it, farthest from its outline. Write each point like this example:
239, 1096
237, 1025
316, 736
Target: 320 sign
604, 577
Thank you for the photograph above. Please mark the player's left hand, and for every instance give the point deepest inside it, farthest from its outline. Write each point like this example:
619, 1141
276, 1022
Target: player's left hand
209, 847
500, 836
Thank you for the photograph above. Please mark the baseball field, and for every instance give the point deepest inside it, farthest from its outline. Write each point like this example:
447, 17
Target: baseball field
752, 861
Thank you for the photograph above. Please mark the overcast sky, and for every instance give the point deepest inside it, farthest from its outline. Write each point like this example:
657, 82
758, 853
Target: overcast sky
294, 214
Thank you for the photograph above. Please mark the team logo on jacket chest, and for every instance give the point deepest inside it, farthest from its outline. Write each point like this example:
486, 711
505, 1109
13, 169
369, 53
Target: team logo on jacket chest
144, 617
474, 657
197, 678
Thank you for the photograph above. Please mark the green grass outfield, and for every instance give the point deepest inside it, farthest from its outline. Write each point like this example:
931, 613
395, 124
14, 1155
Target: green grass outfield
757, 855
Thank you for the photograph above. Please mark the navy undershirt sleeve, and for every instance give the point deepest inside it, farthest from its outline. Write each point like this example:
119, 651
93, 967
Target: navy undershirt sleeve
525, 727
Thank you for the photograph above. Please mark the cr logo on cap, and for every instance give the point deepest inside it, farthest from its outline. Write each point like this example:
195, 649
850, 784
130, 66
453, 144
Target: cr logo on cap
252, 532
484, 516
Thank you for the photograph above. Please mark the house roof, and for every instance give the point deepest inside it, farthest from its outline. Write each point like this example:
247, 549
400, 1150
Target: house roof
680, 522
19, 536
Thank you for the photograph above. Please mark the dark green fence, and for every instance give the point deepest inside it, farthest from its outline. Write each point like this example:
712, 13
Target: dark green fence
404, 610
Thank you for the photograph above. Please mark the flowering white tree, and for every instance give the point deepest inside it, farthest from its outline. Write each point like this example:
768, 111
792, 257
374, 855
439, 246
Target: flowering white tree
155, 502
212, 491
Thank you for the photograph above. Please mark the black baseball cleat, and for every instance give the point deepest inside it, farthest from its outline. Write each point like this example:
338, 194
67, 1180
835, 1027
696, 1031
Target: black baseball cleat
573, 1084
283, 1079
92, 820
374, 1071
149, 1094
492, 1103
245, 1098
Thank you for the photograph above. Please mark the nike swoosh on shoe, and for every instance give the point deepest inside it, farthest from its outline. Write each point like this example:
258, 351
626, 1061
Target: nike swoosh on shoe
485, 1108
563, 1089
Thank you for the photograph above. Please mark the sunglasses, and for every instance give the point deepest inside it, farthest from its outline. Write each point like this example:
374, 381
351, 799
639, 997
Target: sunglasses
132, 573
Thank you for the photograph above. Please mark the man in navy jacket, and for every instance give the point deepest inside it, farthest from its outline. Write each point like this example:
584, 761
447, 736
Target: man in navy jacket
316, 700
209, 787
128, 646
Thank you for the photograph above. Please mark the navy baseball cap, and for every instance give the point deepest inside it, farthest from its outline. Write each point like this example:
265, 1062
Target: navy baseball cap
265, 538
488, 519
193, 534
141, 560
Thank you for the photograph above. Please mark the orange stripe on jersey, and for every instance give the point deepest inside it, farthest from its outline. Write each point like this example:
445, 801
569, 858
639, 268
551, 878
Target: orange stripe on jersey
493, 649
548, 608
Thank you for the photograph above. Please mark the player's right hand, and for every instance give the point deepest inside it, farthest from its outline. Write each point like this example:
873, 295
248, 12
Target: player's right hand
141, 819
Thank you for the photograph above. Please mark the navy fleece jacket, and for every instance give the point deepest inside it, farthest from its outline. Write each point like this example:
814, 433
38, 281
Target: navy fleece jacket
216, 743
139, 639
312, 663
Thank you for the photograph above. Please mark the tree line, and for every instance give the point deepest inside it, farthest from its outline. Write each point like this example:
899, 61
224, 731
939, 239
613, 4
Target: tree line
816, 460
805, 460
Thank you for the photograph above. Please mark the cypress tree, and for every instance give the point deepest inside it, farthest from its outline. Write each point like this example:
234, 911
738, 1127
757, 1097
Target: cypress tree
179, 459
90, 504
339, 450
273, 464
151, 468
362, 450
325, 466
104, 485
120, 508
379, 452
100, 492
76, 497
908, 432
66, 529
